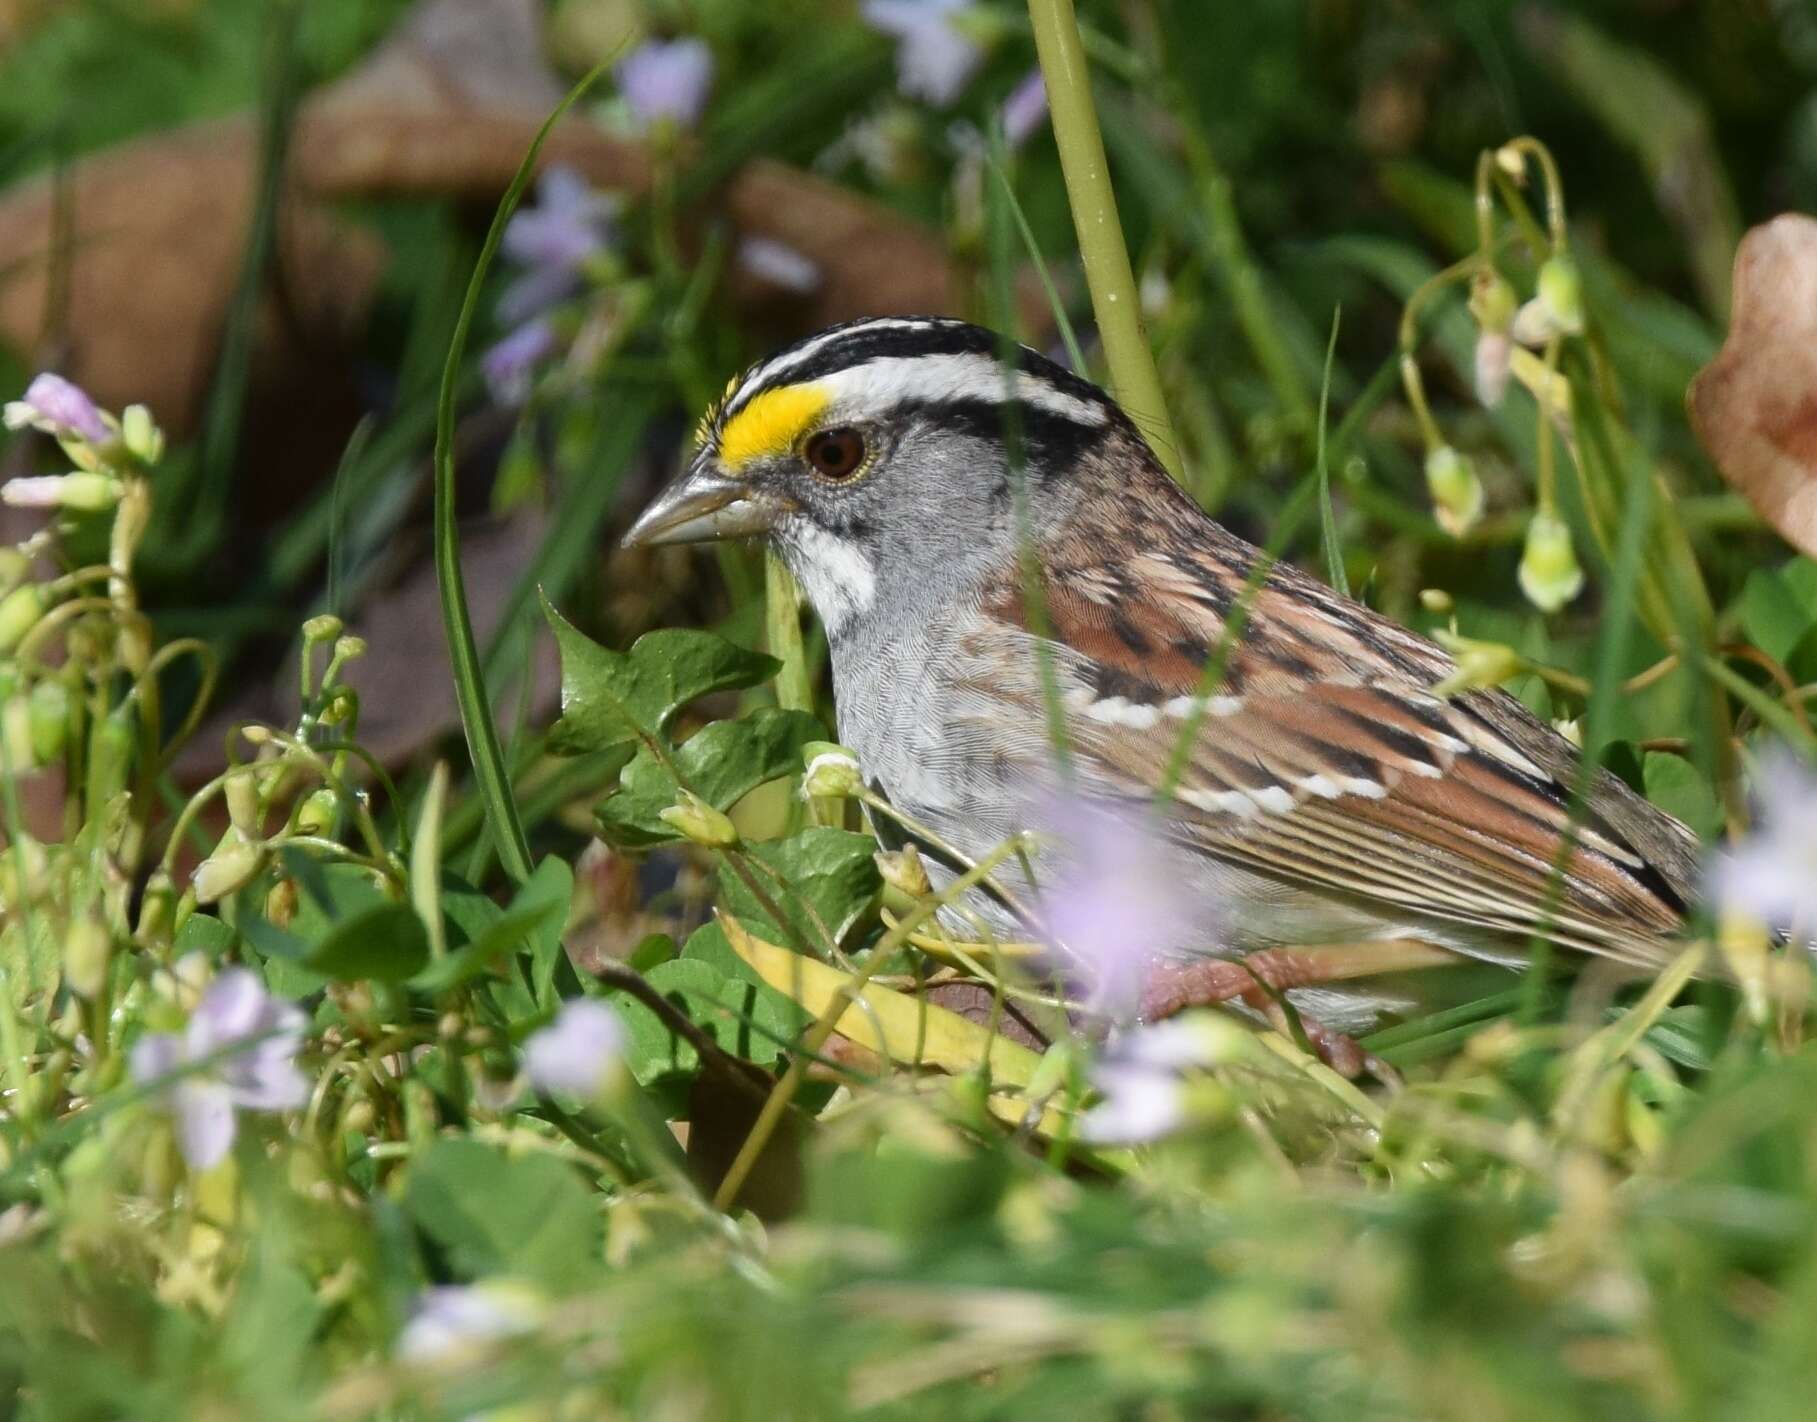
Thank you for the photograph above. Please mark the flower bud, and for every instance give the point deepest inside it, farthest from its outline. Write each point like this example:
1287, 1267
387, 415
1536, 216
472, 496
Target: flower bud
85, 953
1549, 574
1494, 361
20, 610
832, 771
322, 628
1457, 494
693, 818
1511, 161
348, 647
315, 816
233, 865
1479, 664
141, 435
1437, 601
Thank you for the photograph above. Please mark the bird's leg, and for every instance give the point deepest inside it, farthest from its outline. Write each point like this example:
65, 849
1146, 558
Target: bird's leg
1258, 978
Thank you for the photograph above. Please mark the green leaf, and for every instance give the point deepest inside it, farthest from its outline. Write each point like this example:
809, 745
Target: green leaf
1679, 788
723, 762
1779, 608
533, 923
768, 1018
828, 871
698, 990
387, 943
612, 697
528, 1216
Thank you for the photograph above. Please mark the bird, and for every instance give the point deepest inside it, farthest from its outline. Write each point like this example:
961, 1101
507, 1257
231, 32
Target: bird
921, 477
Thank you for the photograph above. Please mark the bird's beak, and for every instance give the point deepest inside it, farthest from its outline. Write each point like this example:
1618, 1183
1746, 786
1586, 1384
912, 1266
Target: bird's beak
703, 505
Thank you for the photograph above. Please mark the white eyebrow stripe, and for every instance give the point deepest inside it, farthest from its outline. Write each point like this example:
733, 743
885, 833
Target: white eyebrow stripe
894, 380
772, 370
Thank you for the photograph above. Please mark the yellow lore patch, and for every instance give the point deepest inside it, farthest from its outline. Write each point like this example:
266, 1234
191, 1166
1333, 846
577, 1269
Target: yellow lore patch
770, 424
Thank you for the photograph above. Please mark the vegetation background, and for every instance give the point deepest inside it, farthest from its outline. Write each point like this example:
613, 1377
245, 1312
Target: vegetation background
297, 1115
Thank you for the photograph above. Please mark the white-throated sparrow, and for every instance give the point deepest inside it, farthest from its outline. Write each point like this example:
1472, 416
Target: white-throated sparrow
1329, 794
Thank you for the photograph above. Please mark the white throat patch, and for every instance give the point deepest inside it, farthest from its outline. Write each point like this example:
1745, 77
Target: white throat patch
835, 573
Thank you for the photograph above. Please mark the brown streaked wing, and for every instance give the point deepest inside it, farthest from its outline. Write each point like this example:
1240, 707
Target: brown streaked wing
1325, 758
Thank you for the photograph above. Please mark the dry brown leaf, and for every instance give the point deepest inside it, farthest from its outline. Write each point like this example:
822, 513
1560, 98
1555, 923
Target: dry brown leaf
1755, 406
154, 243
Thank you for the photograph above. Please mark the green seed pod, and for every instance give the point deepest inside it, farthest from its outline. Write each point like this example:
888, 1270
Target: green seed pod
110, 755
16, 733
50, 711
85, 954
1457, 494
20, 611
315, 816
1549, 572
1492, 300
241, 792
831, 771
324, 627
1561, 294
905, 880
233, 865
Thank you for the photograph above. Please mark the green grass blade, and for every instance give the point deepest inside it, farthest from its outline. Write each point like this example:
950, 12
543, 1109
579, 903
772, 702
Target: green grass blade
489, 766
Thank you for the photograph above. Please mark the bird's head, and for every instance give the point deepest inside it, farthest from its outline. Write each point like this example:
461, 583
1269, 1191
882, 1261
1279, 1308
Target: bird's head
884, 455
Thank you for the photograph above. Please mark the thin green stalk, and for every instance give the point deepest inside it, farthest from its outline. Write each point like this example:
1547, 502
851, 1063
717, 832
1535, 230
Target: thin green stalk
1094, 207
782, 634
1334, 551
483, 746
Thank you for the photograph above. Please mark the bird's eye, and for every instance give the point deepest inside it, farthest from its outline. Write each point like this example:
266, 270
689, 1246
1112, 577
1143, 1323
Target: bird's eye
835, 454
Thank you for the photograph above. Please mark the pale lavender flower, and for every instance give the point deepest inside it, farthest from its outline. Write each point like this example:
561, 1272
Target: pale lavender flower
452, 1318
935, 58
1494, 357
579, 1052
1113, 897
1771, 875
60, 408
1141, 1078
779, 264
249, 1041
1025, 110
667, 81
553, 241
510, 363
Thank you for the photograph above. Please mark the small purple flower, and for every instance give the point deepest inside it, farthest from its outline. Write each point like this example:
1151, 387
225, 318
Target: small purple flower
553, 241
510, 363
249, 1041
779, 264
935, 59
1771, 875
1140, 1077
58, 407
579, 1052
451, 1319
1025, 110
667, 81
1114, 900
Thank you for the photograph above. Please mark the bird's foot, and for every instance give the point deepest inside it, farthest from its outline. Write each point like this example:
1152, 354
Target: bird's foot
1259, 978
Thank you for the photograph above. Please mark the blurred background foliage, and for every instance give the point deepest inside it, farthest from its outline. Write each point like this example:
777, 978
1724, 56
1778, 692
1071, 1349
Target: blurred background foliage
260, 219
